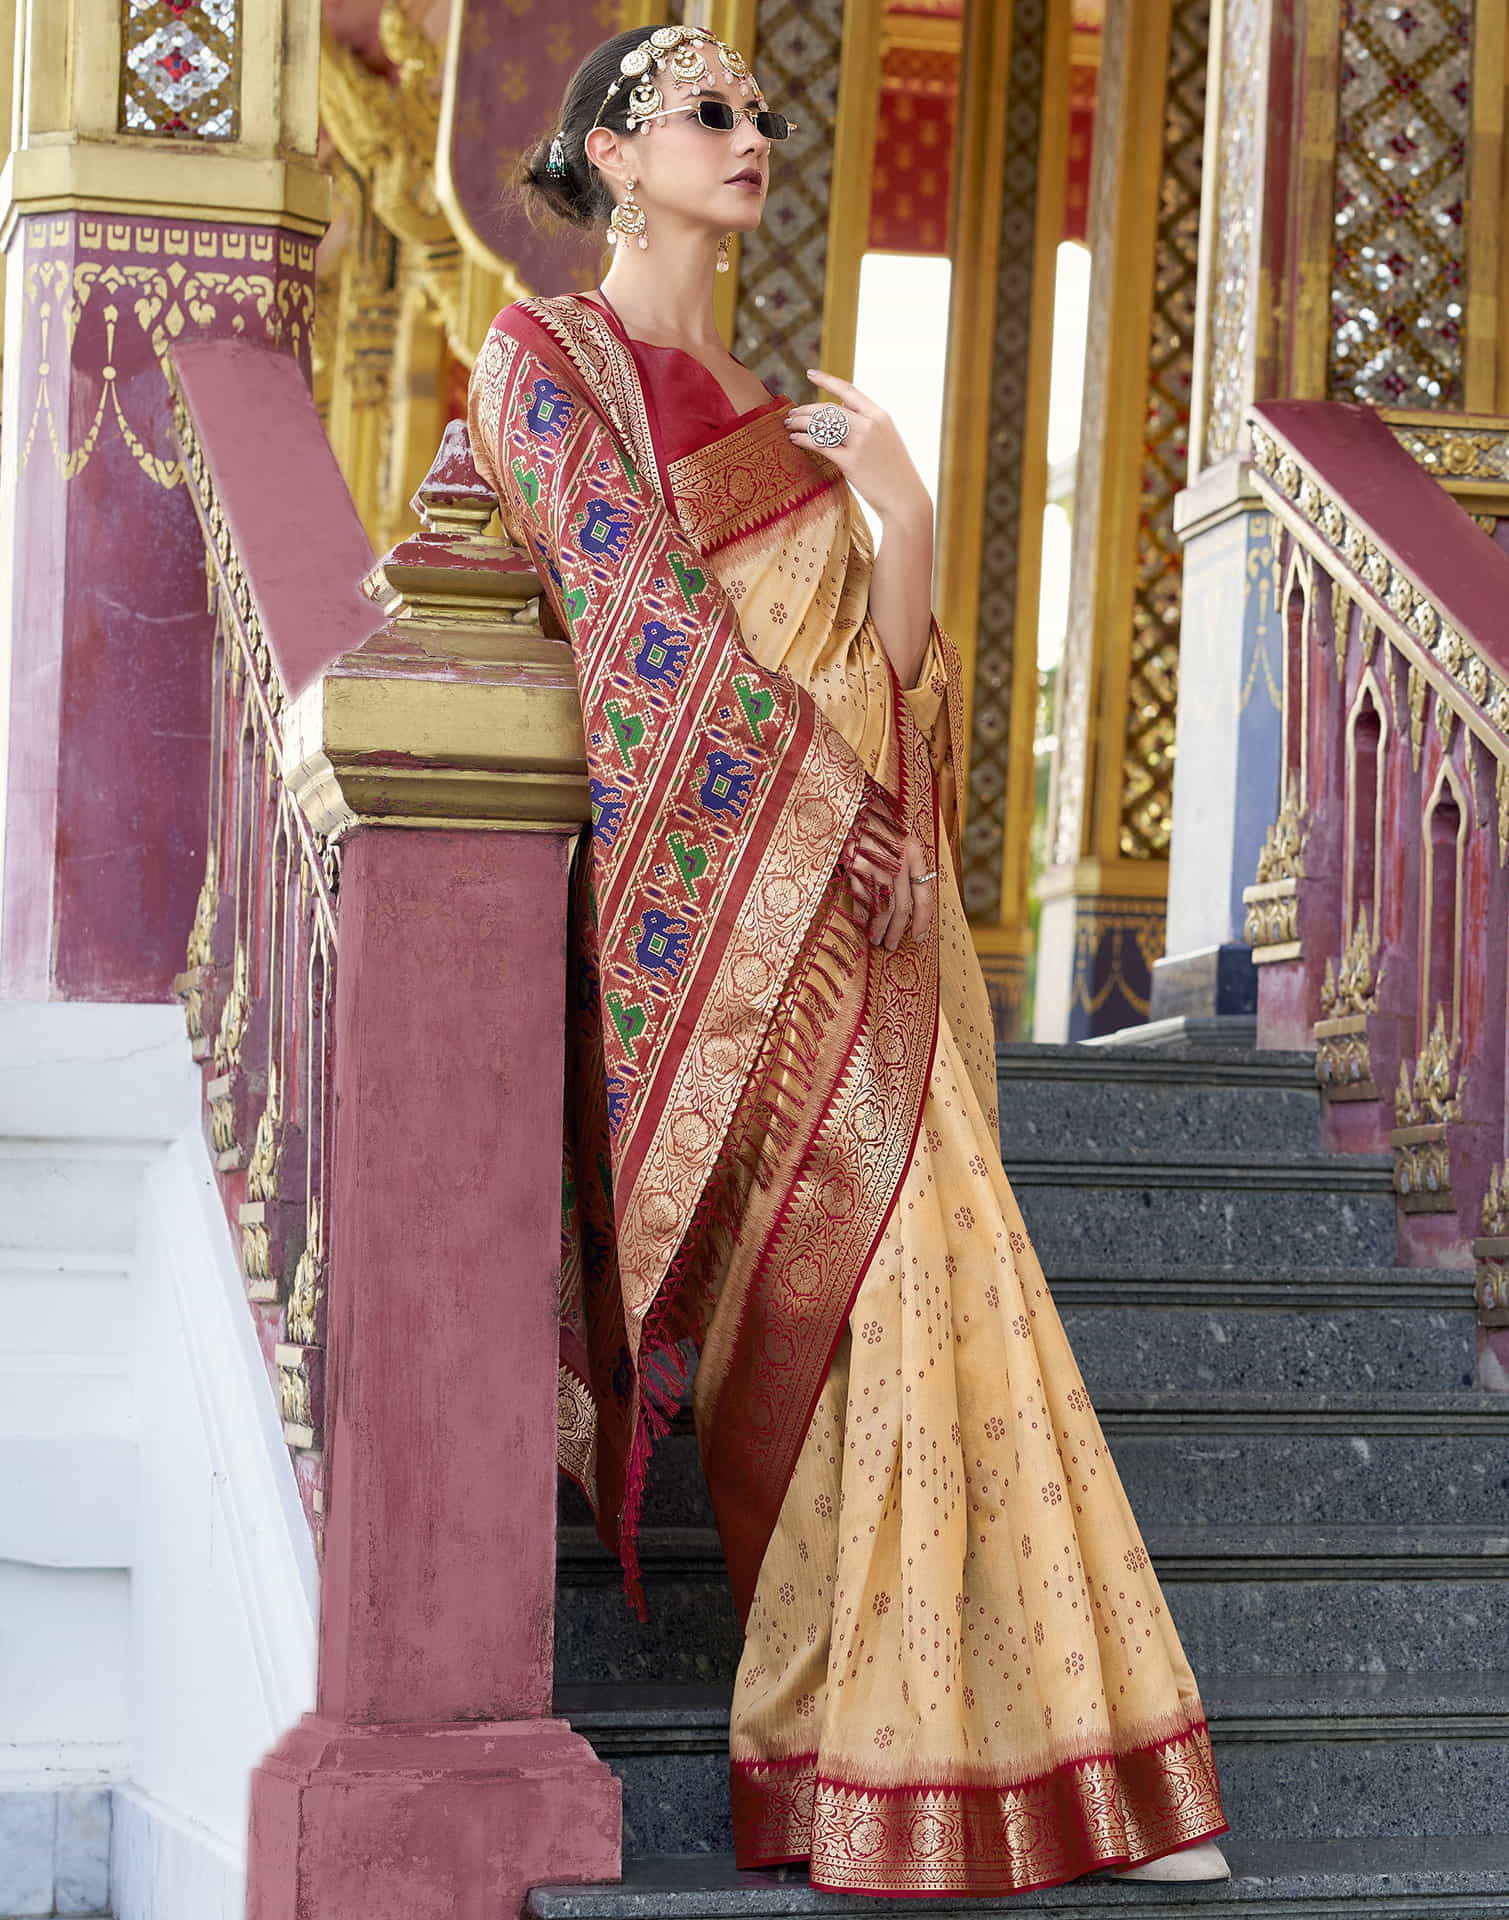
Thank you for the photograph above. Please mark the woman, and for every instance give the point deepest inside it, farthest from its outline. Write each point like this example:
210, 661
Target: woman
958, 1673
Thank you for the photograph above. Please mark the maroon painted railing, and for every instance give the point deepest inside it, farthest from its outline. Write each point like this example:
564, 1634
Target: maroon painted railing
1380, 917
259, 977
375, 987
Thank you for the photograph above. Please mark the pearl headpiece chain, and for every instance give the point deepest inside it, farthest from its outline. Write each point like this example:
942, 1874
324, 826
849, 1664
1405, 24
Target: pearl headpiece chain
676, 51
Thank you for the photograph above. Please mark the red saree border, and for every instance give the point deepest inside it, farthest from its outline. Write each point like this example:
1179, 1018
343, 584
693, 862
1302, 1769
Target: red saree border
791, 1292
695, 991
919, 1839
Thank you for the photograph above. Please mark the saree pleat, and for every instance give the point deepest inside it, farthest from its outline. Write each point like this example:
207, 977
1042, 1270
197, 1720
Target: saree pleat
959, 1674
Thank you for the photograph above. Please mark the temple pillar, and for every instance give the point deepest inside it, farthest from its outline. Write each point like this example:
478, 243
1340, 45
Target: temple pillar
1010, 173
161, 185
1341, 257
1110, 806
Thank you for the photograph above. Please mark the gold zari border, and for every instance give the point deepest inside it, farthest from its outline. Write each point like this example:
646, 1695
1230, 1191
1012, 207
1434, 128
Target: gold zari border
935, 1839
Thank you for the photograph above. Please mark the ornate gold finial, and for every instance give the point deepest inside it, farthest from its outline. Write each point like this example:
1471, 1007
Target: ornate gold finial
1434, 1097
1341, 620
234, 1015
1353, 988
1496, 1203
262, 1168
1282, 857
1417, 692
308, 1283
199, 952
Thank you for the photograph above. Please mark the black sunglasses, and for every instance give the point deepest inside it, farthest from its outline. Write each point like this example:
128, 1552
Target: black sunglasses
723, 118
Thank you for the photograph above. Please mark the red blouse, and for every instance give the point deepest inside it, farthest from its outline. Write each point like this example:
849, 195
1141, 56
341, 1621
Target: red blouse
688, 408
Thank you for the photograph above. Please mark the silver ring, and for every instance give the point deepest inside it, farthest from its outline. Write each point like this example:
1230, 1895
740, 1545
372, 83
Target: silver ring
919, 878
829, 426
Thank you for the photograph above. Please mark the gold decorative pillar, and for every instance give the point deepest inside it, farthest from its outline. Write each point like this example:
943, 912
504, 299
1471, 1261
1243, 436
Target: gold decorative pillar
1352, 248
1010, 174
1102, 893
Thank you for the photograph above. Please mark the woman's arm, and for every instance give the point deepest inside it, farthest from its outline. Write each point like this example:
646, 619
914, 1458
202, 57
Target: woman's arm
901, 586
873, 459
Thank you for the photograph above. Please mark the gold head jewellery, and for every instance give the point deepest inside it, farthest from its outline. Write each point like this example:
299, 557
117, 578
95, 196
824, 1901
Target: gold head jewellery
675, 51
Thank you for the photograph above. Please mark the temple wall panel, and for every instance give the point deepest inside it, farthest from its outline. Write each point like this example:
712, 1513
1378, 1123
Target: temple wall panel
1110, 805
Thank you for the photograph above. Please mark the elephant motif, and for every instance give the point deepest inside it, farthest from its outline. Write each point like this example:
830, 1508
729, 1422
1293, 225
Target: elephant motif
662, 942
662, 656
607, 810
725, 787
605, 528
549, 411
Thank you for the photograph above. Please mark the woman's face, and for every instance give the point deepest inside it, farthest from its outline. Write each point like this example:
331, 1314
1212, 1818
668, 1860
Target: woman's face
683, 167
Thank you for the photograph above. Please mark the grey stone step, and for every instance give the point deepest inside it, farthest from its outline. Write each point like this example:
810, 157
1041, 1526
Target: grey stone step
1078, 1104
1241, 1458
1327, 1459
1251, 1284
1465, 1876
1154, 1211
1304, 1757
1235, 1344
1356, 1599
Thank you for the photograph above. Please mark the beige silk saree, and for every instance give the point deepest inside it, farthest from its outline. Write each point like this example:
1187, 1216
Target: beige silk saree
959, 1674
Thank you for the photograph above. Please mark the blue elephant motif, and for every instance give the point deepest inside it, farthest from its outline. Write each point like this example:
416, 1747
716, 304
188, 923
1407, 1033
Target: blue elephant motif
605, 528
662, 943
662, 657
607, 810
725, 789
550, 409
618, 1100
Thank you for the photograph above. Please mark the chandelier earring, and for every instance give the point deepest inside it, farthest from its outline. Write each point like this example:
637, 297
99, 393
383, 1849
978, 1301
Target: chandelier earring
723, 240
627, 222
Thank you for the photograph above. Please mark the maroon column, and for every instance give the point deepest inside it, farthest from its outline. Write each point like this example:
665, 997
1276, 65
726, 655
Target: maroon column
109, 694
430, 1780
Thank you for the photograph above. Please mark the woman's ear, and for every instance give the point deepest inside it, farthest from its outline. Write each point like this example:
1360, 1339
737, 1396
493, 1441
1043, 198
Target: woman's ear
605, 155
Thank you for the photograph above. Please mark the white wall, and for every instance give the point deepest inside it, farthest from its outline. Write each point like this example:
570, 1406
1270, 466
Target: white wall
157, 1583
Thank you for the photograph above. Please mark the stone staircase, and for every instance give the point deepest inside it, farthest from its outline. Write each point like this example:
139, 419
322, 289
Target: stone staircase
1324, 1493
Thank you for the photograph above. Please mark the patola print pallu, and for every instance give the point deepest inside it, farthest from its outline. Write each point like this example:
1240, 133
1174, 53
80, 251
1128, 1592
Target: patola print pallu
782, 1157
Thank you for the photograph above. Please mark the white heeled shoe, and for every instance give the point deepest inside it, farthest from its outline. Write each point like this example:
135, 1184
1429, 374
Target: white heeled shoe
1204, 1861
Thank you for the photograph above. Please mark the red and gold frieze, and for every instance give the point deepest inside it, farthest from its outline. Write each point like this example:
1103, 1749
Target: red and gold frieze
105, 299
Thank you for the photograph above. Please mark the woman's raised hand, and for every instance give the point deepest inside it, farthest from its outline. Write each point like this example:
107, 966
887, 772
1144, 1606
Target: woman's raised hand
873, 459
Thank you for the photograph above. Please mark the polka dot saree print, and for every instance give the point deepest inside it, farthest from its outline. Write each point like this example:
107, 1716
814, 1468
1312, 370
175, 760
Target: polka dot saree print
959, 1674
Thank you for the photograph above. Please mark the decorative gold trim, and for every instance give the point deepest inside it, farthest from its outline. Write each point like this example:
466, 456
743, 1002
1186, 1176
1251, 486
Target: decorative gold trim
1433, 1097
979, 159
1485, 378
1341, 620
853, 166
1306, 312
1429, 645
501, 749
921, 32
1352, 988
1139, 165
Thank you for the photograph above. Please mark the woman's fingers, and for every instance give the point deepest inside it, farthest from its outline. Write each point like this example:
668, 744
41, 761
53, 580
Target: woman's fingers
848, 394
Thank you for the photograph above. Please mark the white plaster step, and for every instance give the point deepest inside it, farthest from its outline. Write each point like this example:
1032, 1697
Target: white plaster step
84, 1195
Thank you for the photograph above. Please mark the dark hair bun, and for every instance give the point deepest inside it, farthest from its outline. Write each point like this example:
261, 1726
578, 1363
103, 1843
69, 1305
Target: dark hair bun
578, 197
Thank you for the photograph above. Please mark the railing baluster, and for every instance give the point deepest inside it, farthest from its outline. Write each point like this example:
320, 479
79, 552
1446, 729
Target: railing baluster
1380, 915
